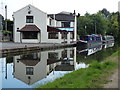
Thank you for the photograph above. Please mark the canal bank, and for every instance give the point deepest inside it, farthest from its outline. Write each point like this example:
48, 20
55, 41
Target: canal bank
40, 67
97, 75
10, 48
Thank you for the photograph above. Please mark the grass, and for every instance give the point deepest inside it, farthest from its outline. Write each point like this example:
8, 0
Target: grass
91, 77
116, 53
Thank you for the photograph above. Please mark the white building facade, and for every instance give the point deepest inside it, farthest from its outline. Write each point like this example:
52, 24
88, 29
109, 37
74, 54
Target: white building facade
32, 25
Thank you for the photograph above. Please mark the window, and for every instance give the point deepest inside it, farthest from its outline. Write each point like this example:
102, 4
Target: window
30, 35
53, 55
52, 35
29, 70
65, 24
64, 54
64, 35
50, 21
29, 19
32, 56
71, 53
71, 35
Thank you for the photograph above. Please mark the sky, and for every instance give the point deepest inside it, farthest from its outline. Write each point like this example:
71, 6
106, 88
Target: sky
56, 6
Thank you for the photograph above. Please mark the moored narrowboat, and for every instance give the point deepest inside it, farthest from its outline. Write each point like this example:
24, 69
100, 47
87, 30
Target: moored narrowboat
108, 39
89, 40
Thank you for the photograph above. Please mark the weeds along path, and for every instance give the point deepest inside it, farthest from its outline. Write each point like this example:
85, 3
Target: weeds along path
114, 78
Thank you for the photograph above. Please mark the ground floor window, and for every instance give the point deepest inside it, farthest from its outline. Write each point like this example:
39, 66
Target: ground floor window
71, 35
64, 35
29, 35
64, 54
52, 35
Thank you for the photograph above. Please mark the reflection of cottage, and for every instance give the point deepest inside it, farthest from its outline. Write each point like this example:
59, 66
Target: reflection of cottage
32, 25
61, 60
31, 68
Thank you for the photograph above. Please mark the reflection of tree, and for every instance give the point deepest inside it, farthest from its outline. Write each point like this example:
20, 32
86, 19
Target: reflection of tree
9, 59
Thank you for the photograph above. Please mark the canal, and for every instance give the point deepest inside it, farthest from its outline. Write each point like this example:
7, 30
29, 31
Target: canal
41, 67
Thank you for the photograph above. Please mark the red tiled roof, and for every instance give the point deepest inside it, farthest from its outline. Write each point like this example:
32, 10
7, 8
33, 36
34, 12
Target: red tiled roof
53, 29
30, 28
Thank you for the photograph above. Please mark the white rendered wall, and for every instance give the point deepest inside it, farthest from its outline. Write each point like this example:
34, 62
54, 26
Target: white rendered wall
71, 24
40, 20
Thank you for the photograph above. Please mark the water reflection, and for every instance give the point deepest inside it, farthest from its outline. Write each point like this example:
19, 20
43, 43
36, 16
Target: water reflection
30, 68
42, 67
90, 51
107, 45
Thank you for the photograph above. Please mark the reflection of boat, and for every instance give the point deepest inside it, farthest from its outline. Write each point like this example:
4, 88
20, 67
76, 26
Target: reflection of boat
90, 51
106, 45
89, 40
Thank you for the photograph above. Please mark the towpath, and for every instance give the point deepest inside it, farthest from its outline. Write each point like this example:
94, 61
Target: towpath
9, 45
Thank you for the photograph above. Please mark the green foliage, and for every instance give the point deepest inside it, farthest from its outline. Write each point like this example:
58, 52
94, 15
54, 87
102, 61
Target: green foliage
9, 25
116, 54
6, 32
90, 77
103, 22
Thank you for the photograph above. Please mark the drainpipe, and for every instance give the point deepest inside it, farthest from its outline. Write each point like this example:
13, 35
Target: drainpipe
54, 20
75, 25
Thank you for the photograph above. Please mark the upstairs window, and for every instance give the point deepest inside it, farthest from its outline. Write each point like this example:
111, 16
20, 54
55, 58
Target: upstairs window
65, 24
29, 70
29, 19
50, 21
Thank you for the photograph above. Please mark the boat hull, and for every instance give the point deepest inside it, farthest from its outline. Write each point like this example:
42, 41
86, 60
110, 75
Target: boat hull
82, 45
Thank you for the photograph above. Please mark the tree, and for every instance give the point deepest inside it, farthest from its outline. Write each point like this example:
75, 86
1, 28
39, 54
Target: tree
114, 27
105, 12
103, 22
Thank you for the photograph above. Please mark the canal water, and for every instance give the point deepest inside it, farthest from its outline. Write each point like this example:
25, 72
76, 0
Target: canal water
31, 69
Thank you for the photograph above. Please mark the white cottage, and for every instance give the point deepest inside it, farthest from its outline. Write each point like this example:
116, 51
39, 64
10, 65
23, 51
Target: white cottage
32, 25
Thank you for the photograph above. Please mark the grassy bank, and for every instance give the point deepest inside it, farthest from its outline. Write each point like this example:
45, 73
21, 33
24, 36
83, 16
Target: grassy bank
91, 77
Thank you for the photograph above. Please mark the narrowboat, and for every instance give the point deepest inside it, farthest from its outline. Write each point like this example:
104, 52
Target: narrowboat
89, 40
108, 39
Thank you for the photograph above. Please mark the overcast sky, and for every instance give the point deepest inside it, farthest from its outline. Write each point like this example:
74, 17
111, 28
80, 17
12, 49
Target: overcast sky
56, 6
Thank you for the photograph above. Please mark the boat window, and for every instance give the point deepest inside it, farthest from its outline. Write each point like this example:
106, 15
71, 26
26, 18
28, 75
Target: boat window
90, 38
93, 38
86, 38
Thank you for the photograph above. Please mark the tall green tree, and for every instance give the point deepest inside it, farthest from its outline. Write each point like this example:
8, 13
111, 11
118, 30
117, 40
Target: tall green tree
103, 22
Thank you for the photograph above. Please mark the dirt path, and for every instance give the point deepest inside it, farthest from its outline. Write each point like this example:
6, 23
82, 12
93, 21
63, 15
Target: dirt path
113, 81
114, 78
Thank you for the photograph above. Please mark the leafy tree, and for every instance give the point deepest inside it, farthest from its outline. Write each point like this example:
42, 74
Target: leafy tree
103, 22
113, 28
